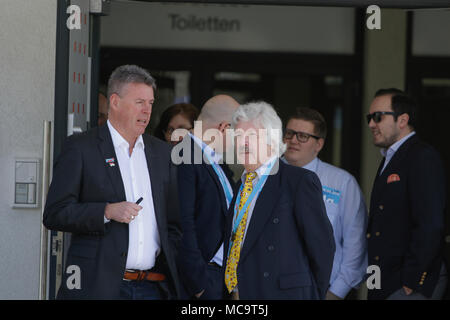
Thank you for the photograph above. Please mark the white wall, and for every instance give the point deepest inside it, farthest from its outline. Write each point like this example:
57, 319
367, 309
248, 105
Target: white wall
27, 75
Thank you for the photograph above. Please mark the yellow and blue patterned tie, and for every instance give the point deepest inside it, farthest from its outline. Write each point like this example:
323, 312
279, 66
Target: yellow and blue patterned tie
235, 251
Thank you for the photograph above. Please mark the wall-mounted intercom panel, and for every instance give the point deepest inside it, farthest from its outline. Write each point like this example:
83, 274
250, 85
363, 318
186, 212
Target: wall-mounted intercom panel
26, 188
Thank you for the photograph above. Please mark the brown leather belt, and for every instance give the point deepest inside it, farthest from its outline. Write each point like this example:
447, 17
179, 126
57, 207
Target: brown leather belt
139, 275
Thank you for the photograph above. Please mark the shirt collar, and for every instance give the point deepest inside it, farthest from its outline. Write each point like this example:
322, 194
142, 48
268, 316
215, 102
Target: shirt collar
312, 165
119, 141
215, 156
393, 149
261, 170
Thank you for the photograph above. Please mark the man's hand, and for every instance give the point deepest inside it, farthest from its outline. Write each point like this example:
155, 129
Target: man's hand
408, 291
123, 212
198, 295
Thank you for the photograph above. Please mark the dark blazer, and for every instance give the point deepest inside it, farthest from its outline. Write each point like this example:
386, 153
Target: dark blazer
289, 246
203, 209
82, 185
406, 221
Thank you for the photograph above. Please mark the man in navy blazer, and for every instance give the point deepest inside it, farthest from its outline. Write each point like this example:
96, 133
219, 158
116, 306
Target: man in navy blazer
286, 247
119, 249
204, 183
406, 221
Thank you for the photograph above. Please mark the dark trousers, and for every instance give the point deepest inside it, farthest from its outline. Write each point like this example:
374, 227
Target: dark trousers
215, 284
143, 290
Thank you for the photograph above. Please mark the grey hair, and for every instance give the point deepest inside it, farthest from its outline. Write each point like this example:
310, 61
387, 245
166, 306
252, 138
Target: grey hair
262, 113
128, 74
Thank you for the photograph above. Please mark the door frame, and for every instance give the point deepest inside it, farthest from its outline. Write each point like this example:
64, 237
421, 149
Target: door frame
56, 250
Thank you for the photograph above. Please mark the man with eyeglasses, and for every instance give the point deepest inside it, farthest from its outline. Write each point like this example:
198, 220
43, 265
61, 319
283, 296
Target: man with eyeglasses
406, 222
305, 136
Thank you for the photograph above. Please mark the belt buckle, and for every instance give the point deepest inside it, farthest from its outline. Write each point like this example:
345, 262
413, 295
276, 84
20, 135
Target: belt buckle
142, 275
124, 275
138, 272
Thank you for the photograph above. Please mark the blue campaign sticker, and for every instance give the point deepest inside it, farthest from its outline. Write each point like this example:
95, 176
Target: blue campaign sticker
331, 195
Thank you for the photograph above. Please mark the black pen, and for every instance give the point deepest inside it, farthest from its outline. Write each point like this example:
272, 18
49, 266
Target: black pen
139, 200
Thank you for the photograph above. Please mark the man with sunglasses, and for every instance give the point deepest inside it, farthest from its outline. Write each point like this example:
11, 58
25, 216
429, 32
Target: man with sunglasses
305, 136
406, 223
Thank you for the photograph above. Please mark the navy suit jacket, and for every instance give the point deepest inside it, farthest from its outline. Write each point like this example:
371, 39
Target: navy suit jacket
203, 210
406, 221
289, 247
83, 183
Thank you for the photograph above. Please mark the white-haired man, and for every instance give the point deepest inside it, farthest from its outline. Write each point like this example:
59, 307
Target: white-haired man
280, 241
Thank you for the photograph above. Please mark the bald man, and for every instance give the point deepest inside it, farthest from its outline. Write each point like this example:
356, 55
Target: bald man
205, 192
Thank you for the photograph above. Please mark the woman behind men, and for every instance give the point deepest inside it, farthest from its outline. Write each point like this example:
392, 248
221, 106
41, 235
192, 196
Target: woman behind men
177, 116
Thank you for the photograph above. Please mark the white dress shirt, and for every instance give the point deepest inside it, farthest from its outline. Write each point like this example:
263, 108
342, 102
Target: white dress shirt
144, 242
389, 153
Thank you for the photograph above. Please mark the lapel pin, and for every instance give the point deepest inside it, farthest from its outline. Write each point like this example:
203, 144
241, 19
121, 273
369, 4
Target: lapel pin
110, 161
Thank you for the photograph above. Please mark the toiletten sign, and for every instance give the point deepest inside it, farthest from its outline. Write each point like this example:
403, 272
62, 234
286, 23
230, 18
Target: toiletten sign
229, 27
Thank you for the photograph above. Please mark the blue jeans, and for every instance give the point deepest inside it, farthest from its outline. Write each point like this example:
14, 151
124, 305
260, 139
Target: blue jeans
140, 290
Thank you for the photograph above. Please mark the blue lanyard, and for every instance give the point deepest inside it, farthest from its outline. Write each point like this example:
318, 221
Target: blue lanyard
226, 187
256, 190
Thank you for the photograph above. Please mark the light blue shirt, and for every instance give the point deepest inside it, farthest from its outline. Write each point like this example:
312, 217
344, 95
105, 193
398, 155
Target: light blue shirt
347, 213
216, 158
389, 153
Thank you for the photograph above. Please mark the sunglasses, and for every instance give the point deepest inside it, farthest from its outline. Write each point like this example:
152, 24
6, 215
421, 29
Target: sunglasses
377, 116
302, 137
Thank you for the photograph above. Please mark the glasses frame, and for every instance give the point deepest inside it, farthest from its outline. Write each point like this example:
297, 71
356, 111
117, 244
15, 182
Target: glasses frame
297, 135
